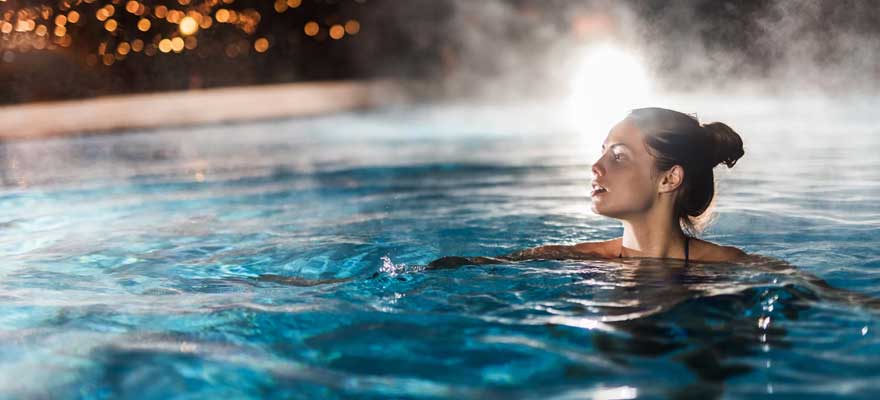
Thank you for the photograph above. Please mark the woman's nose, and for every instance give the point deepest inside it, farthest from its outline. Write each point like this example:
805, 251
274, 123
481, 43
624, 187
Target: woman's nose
597, 168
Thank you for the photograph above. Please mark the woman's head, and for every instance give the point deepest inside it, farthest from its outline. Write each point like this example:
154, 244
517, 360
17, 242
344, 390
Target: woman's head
655, 154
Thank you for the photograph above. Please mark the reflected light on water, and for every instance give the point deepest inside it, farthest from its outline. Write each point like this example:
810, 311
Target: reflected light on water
607, 83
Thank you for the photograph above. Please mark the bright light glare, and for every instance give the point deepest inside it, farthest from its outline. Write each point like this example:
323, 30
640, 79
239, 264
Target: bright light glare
608, 82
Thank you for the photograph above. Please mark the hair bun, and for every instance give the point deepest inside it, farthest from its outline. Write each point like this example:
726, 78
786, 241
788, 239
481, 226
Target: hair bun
728, 144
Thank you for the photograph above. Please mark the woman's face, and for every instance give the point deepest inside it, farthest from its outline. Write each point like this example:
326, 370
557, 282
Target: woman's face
624, 180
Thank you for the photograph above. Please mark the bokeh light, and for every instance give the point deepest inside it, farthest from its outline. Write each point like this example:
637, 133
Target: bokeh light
311, 28
352, 27
188, 26
261, 45
165, 45
337, 32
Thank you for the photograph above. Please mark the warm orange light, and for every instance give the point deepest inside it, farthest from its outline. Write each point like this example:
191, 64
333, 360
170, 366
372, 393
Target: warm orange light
60, 31
132, 6
206, 22
337, 32
41, 30
352, 27
144, 25
6, 28
195, 15
165, 45
108, 59
160, 11
280, 6
312, 28
261, 45
183, 2
177, 44
102, 14
137, 45
190, 42
110, 25
188, 26
123, 48
174, 16
294, 3
73, 17
222, 15
110, 9
61, 19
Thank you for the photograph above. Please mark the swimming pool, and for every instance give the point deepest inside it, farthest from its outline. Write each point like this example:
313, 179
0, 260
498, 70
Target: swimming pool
282, 259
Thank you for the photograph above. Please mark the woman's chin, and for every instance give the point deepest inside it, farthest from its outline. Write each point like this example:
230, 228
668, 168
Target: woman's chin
601, 209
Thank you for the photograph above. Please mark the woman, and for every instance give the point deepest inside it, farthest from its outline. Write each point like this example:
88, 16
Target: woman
655, 176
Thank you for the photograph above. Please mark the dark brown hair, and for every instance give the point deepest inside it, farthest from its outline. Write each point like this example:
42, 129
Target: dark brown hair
675, 138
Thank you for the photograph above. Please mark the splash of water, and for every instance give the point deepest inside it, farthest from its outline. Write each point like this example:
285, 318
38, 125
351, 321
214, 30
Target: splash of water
389, 268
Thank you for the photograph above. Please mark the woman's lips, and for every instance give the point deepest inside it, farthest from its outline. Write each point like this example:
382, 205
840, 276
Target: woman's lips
597, 190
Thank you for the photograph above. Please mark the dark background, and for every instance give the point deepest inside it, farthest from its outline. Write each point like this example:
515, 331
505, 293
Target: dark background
826, 45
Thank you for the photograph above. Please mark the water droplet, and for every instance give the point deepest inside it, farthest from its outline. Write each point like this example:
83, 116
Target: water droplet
864, 330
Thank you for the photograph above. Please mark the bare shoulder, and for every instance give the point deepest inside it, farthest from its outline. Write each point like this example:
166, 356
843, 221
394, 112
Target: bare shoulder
606, 248
705, 251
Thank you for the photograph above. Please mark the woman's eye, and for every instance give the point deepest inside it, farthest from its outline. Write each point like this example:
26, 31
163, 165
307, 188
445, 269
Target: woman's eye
617, 157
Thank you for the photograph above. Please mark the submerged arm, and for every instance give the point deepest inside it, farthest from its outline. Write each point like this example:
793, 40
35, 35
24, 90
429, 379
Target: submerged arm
550, 252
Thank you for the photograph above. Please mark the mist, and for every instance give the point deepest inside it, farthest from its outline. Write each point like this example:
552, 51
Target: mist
511, 49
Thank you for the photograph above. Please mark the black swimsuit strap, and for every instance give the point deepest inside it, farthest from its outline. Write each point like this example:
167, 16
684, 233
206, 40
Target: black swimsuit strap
686, 248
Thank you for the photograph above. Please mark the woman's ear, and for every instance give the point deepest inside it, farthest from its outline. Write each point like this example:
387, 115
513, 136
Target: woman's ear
671, 179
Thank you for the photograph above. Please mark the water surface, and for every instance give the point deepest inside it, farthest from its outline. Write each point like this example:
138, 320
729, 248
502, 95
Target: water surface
284, 259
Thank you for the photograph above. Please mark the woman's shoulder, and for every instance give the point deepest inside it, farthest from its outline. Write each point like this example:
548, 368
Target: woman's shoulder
705, 251
606, 249
700, 251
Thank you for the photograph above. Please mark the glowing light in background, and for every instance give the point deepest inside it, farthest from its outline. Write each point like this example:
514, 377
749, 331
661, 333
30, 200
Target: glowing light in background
352, 27
311, 28
144, 25
122, 24
608, 82
337, 32
188, 26
261, 45
177, 44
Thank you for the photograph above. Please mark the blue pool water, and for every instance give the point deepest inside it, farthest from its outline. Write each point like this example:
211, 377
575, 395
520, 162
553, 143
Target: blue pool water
284, 259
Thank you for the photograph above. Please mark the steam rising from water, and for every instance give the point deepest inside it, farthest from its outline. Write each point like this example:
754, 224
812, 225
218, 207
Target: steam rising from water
608, 82
518, 51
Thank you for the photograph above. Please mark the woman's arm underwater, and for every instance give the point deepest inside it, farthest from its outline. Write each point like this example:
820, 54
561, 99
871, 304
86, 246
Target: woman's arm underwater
582, 251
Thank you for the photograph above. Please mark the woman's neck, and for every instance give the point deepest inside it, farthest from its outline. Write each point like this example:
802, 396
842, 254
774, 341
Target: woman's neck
653, 237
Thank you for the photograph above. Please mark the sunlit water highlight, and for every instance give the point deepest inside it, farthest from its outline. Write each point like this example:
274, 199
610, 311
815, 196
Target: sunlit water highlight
284, 259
